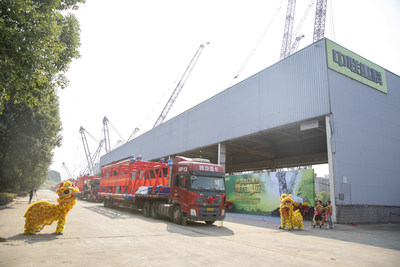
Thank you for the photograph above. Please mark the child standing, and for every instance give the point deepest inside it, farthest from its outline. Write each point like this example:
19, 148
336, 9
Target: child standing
329, 215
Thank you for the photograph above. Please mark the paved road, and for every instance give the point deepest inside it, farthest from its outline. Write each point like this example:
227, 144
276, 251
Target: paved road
98, 236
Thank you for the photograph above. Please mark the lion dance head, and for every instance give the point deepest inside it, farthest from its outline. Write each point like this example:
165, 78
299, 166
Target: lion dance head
66, 192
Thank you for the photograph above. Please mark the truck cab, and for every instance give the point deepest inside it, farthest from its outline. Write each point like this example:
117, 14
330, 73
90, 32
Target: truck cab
197, 190
88, 187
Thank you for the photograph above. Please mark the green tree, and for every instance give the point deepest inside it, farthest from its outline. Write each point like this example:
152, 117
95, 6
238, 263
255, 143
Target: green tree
54, 176
38, 41
31, 133
323, 196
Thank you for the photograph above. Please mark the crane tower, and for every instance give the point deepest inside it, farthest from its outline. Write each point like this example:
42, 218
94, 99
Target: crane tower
87, 151
287, 33
106, 135
67, 170
320, 17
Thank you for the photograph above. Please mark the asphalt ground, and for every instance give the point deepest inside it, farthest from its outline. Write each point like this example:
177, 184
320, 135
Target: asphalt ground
98, 236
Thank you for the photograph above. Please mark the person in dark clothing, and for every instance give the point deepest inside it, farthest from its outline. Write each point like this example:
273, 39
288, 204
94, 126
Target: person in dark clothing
30, 196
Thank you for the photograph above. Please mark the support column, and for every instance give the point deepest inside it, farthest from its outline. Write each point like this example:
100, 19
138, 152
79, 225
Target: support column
331, 151
222, 155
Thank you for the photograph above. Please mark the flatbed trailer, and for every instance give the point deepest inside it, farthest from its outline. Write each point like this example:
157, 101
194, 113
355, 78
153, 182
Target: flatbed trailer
195, 191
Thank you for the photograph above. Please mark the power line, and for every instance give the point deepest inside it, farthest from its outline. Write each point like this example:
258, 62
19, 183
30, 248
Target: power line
257, 44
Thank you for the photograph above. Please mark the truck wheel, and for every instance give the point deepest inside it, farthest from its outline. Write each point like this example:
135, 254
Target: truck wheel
184, 220
110, 203
154, 210
177, 215
210, 222
107, 203
146, 209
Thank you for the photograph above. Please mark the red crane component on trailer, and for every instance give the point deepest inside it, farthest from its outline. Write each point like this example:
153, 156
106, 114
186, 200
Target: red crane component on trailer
88, 187
185, 190
125, 177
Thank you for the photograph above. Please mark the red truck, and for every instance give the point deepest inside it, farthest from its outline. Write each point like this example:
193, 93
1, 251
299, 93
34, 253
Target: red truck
88, 187
183, 190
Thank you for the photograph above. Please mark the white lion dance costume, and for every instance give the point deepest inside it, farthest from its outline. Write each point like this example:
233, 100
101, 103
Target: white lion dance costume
43, 213
289, 219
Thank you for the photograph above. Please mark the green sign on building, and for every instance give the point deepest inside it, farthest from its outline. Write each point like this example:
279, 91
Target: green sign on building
352, 65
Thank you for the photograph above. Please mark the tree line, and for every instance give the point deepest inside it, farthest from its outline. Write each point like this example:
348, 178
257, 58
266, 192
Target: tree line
38, 40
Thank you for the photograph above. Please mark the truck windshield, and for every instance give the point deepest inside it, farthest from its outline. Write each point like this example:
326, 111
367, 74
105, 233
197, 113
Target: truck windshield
96, 186
207, 183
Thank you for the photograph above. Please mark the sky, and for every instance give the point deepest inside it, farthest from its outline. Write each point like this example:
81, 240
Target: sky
134, 52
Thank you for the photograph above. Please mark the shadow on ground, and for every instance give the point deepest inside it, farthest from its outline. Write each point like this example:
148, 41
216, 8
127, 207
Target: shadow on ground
378, 235
110, 213
31, 239
200, 229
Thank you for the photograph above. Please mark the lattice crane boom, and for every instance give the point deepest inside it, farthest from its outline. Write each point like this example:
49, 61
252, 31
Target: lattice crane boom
295, 44
179, 86
67, 170
320, 17
106, 135
287, 33
133, 134
87, 151
95, 157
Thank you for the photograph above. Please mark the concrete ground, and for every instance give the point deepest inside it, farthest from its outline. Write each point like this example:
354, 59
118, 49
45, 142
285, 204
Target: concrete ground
98, 236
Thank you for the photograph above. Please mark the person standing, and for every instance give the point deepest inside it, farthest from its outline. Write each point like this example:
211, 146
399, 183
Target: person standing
329, 210
323, 215
318, 214
30, 196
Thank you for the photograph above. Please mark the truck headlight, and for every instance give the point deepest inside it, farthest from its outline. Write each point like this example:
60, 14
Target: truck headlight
193, 212
223, 212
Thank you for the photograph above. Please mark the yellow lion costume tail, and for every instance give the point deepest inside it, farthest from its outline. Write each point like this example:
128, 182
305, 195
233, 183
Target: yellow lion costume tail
43, 213
297, 220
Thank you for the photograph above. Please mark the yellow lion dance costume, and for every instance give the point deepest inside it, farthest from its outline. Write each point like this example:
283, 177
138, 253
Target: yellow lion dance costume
289, 219
43, 213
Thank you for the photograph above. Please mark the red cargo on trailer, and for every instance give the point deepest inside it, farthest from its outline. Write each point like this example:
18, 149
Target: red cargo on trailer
187, 189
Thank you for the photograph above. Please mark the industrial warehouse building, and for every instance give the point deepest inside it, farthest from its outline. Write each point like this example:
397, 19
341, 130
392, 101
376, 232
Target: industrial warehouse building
323, 104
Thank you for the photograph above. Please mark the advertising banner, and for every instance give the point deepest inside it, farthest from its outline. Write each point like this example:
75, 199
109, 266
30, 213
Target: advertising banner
259, 193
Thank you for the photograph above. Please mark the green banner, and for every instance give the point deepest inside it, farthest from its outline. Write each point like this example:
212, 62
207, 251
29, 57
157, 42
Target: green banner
259, 193
356, 67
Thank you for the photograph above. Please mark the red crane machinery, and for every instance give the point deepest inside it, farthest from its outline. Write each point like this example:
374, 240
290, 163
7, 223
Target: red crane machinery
183, 190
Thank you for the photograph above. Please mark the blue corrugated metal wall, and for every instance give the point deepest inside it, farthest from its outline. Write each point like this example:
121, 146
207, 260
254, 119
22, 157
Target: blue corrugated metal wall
292, 90
367, 141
